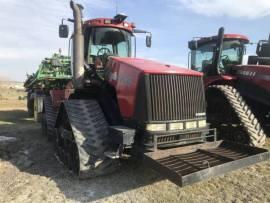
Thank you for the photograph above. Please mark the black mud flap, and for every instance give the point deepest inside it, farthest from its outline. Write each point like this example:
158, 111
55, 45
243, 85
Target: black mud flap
191, 164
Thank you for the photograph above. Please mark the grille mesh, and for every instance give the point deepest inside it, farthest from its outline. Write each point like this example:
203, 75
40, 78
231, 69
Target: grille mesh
175, 97
178, 137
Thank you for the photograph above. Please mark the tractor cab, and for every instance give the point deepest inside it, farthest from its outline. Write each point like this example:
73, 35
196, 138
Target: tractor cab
217, 54
106, 37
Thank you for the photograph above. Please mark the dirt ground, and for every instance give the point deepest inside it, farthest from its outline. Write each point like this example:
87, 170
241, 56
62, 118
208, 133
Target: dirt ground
31, 173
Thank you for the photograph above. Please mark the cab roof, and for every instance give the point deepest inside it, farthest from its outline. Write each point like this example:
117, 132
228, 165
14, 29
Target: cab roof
205, 40
109, 22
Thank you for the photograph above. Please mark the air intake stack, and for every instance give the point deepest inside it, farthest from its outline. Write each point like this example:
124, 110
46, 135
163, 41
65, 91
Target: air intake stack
78, 46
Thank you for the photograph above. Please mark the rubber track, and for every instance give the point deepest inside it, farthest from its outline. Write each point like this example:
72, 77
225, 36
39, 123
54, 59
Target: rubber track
51, 114
248, 120
90, 130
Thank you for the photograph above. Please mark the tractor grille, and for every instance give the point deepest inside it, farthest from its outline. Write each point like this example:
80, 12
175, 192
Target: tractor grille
175, 97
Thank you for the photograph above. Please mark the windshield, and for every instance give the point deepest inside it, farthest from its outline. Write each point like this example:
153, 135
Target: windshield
202, 57
111, 41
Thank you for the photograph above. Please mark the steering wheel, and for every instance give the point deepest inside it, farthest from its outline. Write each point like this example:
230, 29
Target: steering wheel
225, 57
103, 54
103, 51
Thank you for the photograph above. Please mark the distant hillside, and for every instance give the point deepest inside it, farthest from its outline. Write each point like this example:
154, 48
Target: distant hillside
11, 85
10, 90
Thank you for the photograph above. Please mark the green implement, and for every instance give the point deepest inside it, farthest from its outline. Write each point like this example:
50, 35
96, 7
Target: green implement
53, 73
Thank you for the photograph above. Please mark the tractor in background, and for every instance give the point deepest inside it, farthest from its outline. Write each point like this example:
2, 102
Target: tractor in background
122, 107
230, 86
254, 82
53, 73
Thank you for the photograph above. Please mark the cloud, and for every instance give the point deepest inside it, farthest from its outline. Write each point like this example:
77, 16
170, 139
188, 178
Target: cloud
251, 9
29, 30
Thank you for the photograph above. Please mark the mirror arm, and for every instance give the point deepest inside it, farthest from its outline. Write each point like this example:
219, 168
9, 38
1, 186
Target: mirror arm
67, 19
149, 34
70, 20
141, 32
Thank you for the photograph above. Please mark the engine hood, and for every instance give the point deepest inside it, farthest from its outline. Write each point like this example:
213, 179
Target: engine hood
153, 67
128, 77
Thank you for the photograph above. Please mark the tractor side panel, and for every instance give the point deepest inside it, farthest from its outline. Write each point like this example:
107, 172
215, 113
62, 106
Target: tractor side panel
124, 79
254, 82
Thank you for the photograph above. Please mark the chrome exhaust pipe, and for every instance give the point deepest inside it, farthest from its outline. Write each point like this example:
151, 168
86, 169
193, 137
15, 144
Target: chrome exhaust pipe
78, 47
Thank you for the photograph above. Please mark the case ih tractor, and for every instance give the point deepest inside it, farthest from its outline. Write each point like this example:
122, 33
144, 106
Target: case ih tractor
219, 58
128, 107
53, 73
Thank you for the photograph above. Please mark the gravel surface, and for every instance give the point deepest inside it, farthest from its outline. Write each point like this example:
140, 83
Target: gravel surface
31, 173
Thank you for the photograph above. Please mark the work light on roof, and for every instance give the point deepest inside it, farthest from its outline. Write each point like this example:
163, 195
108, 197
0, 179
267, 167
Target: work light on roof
120, 17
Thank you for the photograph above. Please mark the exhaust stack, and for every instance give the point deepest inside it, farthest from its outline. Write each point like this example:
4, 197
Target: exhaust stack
218, 50
78, 47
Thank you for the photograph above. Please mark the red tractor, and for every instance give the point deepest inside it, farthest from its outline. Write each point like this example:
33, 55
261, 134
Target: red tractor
254, 82
219, 58
124, 107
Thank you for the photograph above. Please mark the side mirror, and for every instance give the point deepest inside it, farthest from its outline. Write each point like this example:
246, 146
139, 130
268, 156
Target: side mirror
148, 41
63, 31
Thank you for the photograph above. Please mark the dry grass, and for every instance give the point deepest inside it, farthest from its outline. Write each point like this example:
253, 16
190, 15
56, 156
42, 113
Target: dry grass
10, 95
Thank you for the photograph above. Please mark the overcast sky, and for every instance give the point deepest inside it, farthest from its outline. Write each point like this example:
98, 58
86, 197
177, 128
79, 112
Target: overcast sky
29, 29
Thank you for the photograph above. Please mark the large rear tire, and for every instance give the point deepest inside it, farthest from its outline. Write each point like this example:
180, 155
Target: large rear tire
229, 113
82, 139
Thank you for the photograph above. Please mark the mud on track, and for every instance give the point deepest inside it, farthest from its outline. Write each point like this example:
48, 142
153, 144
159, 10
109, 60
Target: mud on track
32, 174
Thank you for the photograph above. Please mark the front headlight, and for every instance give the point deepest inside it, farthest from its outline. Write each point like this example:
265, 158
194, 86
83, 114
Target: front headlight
176, 126
156, 127
202, 123
191, 124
